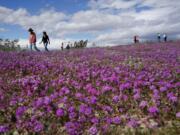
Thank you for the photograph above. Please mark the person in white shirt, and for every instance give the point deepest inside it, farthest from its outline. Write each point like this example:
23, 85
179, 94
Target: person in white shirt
165, 37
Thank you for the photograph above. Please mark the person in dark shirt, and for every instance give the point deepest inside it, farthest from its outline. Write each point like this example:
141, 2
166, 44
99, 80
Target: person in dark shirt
45, 40
159, 37
136, 40
62, 46
68, 47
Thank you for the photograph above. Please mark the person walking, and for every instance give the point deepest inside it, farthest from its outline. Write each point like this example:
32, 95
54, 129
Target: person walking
45, 40
75, 44
136, 40
32, 39
165, 37
71, 45
159, 37
68, 46
62, 46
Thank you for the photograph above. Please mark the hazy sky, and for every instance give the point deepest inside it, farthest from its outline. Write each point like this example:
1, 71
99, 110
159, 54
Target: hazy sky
101, 21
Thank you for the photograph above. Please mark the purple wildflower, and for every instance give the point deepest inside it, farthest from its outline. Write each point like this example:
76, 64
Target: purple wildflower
127, 85
107, 108
125, 97
60, 112
152, 87
143, 104
65, 90
38, 127
92, 91
20, 111
71, 109
178, 115
72, 128
72, 115
108, 120
88, 111
95, 120
93, 100
116, 120
93, 130
172, 98
153, 110
78, 95
82, 118
4, 128
132, 123
163, 89
85, 109
136, 96
116, 99
13, 102
156, 94
39, 102
106, 89
47, 100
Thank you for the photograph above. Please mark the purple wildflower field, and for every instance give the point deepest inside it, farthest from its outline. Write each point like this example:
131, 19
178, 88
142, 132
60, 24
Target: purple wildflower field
112, 90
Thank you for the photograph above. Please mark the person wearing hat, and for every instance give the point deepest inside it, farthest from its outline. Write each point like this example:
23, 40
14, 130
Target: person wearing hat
32, 39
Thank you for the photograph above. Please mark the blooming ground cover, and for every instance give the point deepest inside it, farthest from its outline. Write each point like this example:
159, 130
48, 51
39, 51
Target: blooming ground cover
115, 90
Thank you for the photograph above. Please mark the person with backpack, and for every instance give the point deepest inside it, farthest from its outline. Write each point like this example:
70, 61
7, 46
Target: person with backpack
45, 40
32, 39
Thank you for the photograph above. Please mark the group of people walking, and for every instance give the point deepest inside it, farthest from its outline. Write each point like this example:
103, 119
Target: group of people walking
159, 36
76, 44
32, 40
164, 37
45, 40
67, 47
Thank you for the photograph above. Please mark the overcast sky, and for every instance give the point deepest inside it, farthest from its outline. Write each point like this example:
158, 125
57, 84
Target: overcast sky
103, 21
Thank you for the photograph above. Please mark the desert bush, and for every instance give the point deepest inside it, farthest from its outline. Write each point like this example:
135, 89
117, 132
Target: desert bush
9, 45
